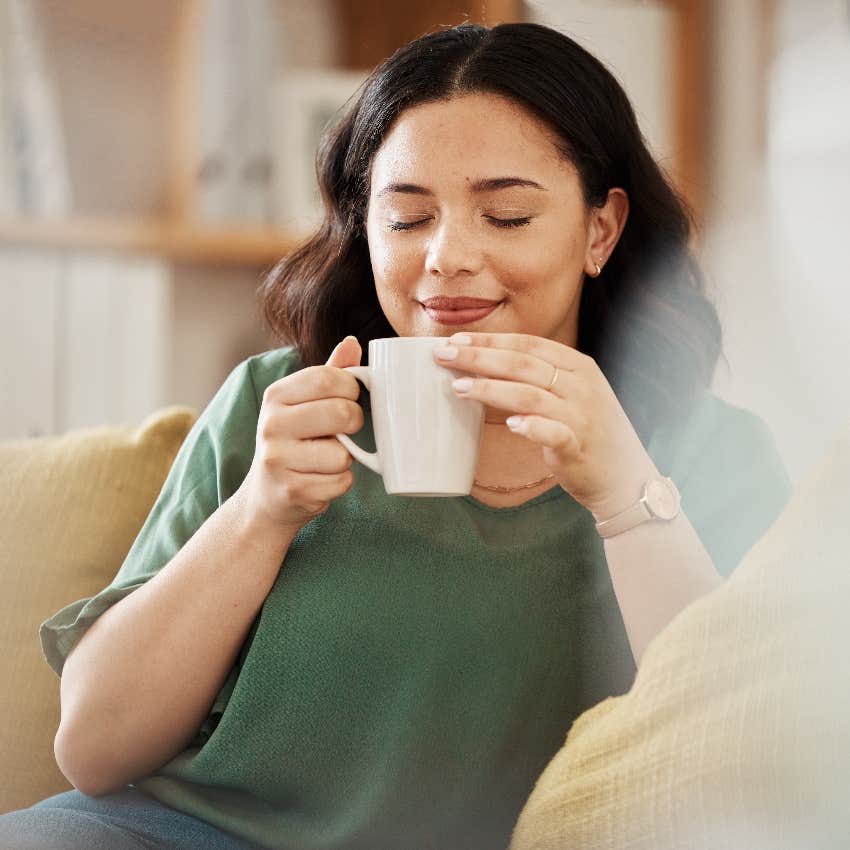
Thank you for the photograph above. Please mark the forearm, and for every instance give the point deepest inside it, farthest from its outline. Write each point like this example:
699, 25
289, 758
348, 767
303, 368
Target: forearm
657, 569
136, 688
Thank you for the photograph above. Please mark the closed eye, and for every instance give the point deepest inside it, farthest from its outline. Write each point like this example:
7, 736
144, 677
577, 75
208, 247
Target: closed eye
497, 222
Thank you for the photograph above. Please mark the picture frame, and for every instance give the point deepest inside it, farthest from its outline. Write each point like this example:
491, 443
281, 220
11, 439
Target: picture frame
306, 103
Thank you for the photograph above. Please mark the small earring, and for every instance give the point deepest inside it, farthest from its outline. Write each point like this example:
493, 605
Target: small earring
598, 269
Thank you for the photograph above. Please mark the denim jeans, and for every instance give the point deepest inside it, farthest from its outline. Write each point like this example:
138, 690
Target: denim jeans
123, 820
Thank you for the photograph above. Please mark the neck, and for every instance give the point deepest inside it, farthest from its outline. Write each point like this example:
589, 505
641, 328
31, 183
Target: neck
505, 457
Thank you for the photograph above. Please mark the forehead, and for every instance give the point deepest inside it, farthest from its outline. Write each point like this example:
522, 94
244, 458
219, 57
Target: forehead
468, 136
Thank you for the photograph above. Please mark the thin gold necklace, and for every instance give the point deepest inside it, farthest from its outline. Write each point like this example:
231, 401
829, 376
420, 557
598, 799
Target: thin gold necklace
499, 489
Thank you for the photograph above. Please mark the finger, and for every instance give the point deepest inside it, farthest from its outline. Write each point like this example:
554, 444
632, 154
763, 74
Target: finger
549, 433
327, 487
322, 455
313, 383
346, 353
322, 418
318, 487
513, 396
561, 355
501, 363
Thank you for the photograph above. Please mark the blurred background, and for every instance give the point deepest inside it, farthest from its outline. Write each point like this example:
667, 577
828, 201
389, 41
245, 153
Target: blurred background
156, 159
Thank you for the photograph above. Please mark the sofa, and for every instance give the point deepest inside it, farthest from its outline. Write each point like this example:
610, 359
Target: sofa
735, 733
70, 508
736, 730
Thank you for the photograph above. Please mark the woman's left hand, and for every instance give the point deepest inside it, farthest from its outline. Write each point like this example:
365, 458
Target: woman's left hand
588, 441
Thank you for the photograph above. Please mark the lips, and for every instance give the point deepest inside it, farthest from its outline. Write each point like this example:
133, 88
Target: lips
443, 302
464, 316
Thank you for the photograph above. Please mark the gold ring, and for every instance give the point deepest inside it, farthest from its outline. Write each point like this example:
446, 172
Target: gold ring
554, 378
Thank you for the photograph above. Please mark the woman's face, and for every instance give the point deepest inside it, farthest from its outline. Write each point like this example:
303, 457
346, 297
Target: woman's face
470, 198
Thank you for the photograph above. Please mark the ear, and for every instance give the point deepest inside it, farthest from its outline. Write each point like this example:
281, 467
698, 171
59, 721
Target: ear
604, 228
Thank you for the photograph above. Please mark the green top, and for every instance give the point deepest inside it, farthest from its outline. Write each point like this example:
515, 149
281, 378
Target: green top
419, 660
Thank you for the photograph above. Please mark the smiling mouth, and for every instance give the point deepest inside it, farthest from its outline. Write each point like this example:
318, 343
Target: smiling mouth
460, 317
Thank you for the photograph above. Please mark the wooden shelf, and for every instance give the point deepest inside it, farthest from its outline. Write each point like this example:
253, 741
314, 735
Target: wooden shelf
201, 245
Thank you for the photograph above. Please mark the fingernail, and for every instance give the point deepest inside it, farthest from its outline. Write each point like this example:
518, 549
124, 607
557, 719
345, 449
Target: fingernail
461, 339
462, 385
514, 422
447, 353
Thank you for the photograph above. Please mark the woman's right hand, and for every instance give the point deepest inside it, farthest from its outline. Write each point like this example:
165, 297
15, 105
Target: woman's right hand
299, 466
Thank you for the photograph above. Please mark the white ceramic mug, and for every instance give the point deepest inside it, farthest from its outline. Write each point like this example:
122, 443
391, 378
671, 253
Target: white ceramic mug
427, 437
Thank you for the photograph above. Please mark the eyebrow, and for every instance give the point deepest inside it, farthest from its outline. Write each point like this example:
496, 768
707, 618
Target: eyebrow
490, 185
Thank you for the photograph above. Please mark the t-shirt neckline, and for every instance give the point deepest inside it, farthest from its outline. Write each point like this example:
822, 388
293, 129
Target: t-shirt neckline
555, 492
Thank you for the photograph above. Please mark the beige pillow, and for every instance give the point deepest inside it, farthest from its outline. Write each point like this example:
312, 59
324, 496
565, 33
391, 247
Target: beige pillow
70, 508
736, 731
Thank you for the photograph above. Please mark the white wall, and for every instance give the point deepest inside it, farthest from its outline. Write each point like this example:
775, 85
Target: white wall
777, 240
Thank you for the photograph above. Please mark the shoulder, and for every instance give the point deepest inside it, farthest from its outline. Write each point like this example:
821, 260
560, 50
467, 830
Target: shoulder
265, 368
218, 450
235, 407
726, 464
715, 431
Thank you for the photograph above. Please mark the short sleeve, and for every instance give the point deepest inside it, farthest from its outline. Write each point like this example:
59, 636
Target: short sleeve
731, 476
211, 463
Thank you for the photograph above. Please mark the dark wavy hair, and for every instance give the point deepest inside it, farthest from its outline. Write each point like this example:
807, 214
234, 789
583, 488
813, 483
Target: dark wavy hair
646, 320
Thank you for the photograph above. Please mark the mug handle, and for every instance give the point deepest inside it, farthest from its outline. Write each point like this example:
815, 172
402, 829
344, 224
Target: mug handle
370, 459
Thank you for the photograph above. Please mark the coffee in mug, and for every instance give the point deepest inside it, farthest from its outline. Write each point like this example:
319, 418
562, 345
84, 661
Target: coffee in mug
427, 437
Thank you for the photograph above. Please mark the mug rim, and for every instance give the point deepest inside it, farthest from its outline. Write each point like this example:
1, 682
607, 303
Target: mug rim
400, 339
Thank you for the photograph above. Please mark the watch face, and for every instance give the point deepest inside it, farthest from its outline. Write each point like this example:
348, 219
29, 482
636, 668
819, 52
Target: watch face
662, 499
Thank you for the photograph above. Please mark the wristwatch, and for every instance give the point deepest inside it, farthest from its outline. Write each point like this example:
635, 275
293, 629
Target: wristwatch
660, 500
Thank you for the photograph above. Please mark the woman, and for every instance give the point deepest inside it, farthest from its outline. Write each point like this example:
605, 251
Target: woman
292, 658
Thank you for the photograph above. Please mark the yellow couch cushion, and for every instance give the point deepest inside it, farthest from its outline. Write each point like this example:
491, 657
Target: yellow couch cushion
736, 731
70, 508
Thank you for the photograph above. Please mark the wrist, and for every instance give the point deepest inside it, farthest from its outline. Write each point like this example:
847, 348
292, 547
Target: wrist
257, 529
660, 501
624, 496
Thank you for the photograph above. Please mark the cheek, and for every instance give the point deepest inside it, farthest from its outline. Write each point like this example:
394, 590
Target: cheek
552, 262
563, 253
392, 262
536, 262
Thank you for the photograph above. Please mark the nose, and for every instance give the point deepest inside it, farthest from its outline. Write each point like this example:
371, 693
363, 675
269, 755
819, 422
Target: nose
453, 249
